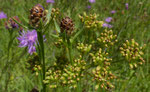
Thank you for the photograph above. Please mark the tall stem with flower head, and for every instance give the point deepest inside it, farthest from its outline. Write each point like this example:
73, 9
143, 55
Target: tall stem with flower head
67, 27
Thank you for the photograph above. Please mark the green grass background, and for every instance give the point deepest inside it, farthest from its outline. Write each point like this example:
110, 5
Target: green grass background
127, 24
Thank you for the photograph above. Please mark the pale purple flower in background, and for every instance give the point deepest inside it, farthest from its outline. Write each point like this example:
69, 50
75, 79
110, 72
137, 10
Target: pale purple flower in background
92, 1
2, 15
89, 7
28, 39
50, 1
109, 19
105, 25
113, 12
127, 6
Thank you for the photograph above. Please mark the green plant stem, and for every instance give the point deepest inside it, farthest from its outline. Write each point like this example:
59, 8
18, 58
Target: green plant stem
42, 58
70, 50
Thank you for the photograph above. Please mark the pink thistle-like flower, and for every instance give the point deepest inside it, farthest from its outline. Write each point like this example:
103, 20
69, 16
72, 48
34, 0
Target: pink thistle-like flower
28, 39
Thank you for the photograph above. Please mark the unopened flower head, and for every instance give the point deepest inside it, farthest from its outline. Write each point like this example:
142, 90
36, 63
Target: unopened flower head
12, 24
3, 15
28, 39
37, 13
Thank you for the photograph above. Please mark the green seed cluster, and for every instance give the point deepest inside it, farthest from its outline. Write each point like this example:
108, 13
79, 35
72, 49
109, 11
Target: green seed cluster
100, 58
103, 77
84, 47
133, 53
69, 76
107, 38
91, 21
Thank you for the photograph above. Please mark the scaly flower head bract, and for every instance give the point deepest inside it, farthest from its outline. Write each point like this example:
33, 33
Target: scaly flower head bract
28, 39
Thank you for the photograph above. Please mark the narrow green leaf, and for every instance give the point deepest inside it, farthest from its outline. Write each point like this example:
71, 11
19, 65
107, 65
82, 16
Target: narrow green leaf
49, 13
20, 24
55, 36
57, 26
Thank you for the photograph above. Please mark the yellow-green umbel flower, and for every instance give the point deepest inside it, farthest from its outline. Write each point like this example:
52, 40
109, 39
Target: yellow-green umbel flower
58, 42
103, 78
133, 53
102, 74
69, 76
84, 47
91, 22
107, 38
73, 73
101, 57
55, 13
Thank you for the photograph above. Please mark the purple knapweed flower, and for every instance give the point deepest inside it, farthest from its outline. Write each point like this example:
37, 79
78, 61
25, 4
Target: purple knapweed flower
28, 39
127, 6
50, 1
113, 12
105, 25
3, 15
92, 1
109, 19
